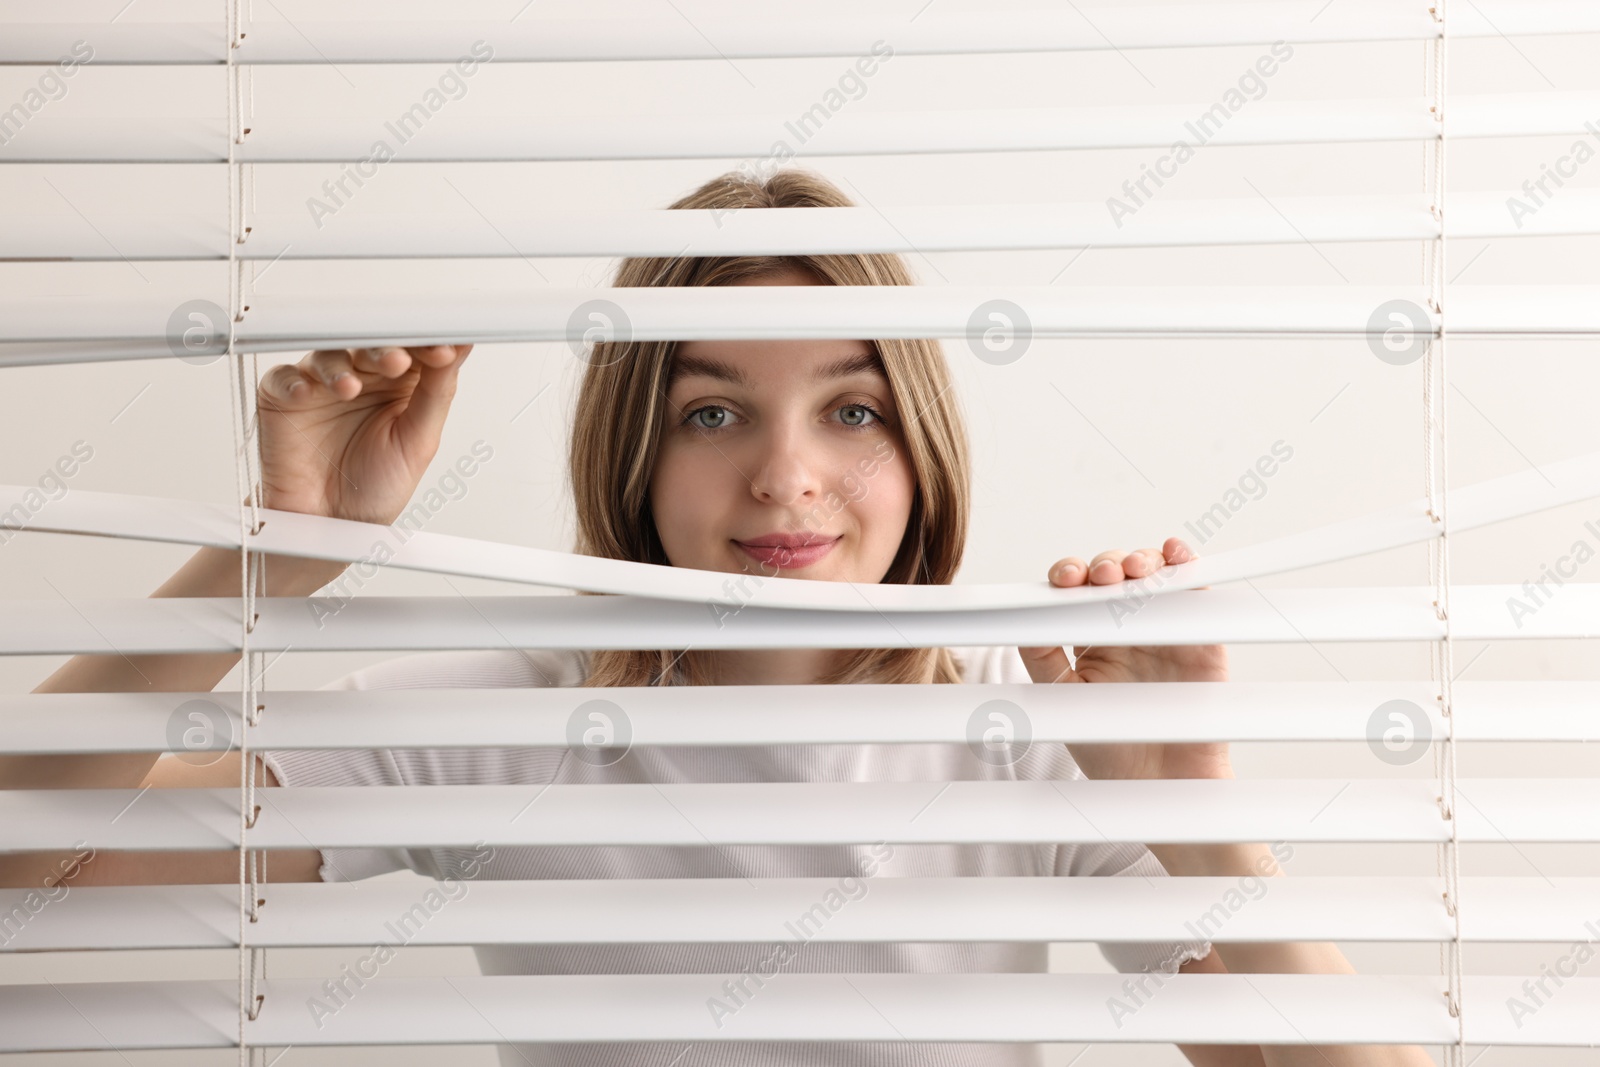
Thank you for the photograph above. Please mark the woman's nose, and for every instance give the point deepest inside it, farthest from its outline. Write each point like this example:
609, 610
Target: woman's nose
787, 470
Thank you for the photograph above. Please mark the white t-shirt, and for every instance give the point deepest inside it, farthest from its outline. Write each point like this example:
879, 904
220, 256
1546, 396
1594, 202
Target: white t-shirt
731, 763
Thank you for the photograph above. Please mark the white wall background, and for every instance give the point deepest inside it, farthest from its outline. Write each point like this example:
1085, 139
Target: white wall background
1154, 434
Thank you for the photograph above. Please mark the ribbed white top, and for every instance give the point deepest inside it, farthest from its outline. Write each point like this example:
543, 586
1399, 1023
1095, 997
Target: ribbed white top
720, 962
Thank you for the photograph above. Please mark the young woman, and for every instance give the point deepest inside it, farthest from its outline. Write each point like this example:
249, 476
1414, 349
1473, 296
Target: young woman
827, 460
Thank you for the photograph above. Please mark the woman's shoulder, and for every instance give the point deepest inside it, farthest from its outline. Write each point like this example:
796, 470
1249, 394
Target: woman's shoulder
509, 668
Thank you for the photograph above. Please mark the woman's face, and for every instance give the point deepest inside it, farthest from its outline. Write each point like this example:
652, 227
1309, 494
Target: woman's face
782, 459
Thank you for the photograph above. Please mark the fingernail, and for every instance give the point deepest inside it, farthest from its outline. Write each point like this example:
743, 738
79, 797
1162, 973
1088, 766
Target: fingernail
337, 377
1069, 571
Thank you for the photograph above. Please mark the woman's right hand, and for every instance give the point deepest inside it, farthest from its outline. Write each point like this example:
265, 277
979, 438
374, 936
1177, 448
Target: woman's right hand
348, 433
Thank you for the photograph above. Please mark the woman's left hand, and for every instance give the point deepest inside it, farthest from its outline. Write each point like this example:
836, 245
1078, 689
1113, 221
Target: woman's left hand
1139, 663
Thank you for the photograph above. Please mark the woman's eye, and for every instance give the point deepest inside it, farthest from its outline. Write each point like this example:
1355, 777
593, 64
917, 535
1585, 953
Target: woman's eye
856, 416
718, 417
717, 414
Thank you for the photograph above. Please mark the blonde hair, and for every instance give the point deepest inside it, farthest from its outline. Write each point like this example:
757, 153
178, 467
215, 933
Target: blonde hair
620, 414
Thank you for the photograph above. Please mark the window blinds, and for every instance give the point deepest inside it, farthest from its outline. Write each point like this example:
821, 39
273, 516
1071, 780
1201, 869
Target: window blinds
654, 609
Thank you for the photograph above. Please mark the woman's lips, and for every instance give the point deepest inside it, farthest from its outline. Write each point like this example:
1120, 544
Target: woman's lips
788, 558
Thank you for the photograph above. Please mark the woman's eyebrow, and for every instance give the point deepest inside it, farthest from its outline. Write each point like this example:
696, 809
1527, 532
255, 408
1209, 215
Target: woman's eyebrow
859, 363
684, 366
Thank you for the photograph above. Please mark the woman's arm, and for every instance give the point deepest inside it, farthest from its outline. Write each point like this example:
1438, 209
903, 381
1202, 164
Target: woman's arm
1272, 957
210, 572
1199, 663
1217, 1055
345, 434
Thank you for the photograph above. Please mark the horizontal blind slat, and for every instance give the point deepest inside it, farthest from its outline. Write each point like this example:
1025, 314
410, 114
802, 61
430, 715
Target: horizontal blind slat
470, 137
806, 813
144, 327
845, 32
1213, 616
106, 235
890, 909
1277, 1009
442, 717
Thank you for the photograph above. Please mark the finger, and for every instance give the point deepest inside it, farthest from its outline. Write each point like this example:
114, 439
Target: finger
1107, 567
436, 355
285, 386
1048, 665
436, 388
387, 361
1143, 563
333, 368
1069, 572
1179, 552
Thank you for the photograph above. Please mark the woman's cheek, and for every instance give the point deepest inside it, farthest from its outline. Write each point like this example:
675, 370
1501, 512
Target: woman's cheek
885, 501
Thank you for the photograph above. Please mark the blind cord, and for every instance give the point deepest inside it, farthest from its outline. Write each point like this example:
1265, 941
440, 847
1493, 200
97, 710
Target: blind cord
246, 426
1436, 460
